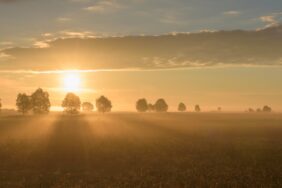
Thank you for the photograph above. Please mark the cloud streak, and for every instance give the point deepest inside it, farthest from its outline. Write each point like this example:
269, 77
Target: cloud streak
173, 51
232, 13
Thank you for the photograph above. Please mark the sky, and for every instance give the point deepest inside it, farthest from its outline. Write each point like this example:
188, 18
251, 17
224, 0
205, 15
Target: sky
209, 52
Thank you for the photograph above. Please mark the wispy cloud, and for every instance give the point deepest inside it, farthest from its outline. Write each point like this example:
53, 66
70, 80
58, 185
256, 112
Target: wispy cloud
41, 44
5, 57
271, 20
76, 34
232, 13
173, 19
84, 51
63, 19
104, 6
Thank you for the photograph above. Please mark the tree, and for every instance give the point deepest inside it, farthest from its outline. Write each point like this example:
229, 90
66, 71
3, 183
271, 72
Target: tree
197, 108
267, 109
181, 107
142, 105
251, 110
40, 101
151, 108
161, 105
0, 105
23, 103
259, 110
103, 104
71, 103
87, 107
219, 109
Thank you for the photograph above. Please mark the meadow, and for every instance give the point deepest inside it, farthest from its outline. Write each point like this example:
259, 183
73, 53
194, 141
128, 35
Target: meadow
141, 150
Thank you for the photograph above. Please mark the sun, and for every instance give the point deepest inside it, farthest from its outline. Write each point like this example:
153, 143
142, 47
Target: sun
71, 82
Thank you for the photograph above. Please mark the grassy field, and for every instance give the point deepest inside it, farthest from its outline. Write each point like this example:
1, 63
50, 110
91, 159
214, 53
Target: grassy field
141, 150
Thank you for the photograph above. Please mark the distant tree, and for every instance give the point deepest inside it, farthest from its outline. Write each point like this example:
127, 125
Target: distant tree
103, 104
182, 107
142, 105
197, 108
23, 103
71, 103
87, 107
161, 105
219, 109
258, 110
40, 101
151, 108
0, 105
267, 109
251, 110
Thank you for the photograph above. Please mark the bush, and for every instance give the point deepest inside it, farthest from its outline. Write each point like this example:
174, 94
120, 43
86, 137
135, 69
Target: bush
71, 104
181, 107
161, 106
142, 105
87, 107
103, 104
197, 108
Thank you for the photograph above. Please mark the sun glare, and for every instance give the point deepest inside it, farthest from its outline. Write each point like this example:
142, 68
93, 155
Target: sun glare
72, 82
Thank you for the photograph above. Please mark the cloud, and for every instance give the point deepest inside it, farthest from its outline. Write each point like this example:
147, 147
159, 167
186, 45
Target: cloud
4, 56
271, 20
232, 13
63, 19
82, 51
172, 19
76, 34
41, 44
104, 6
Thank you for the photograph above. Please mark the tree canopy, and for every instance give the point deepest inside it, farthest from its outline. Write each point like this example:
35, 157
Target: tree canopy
197, 108
71, 103
161, 105
40, 101
182, 107
23, 103
103, 104
87, 107
266, 109
142, 105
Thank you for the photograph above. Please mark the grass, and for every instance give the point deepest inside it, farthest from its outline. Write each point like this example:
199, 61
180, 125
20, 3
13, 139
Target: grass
141, 150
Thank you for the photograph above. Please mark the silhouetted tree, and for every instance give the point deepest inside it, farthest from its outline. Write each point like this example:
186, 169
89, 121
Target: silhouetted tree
23, 103
40, 101
251, 110
71, 103
142, 105
161, 106
219, 109
103, 104
151, 108
181, 107
87, 107
267, 109
258, 110
197, 108
0, 105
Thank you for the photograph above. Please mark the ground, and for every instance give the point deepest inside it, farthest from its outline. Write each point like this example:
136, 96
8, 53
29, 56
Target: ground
141, 150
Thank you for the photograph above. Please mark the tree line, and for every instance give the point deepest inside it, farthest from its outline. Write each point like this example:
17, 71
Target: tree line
38, 102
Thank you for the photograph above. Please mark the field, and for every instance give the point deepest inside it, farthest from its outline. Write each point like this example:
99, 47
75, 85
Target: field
141, 150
